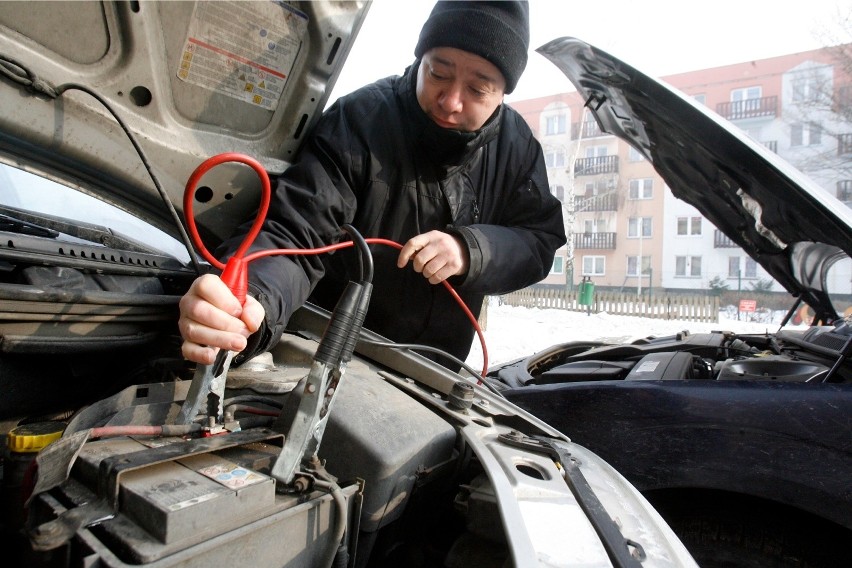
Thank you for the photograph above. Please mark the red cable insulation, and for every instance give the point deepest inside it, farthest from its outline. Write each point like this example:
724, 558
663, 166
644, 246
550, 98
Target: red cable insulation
235, 272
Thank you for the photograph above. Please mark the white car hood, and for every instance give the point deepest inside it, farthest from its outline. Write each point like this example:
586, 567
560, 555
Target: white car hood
188, 79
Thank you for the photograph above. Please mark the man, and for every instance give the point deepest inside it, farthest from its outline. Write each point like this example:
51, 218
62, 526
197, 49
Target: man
432, 159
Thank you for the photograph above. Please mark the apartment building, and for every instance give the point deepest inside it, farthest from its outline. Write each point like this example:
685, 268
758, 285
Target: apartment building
629, 232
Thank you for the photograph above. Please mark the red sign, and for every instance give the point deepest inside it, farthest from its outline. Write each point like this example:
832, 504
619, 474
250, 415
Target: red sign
748, 305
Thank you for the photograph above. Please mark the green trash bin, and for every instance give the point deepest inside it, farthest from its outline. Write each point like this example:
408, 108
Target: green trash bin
587, 292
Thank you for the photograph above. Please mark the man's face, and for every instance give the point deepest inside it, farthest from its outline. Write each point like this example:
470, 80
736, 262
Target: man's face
457, 89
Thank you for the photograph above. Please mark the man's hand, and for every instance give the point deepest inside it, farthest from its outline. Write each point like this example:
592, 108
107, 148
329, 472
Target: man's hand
211, 317
436, 255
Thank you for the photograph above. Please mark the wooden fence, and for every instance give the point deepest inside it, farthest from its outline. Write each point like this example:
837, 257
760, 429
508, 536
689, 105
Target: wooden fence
701, 308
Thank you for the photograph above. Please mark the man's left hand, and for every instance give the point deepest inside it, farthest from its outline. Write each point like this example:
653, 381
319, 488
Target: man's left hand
436, 255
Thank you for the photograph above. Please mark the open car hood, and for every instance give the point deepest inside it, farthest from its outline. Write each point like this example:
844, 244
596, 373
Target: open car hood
189, 80
784, 221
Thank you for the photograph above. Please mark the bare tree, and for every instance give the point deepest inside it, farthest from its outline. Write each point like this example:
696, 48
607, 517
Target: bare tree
820, 107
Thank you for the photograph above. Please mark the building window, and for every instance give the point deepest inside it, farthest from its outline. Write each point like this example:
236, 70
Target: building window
594, 226
558, 265
641, 189
750, 268
747, 98
690, 226
805, 89
843, 100
688, 266
594, 265
733, 266
844, 190
558, 191
805, 134
556, 124
634, 224
844, 144
554, 159
598, 187
634, 155
633, 265
815, 133
700, 99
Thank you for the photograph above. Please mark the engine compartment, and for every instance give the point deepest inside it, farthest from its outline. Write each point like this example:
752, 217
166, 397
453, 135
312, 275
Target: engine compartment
813, 355
162, 499
415, 469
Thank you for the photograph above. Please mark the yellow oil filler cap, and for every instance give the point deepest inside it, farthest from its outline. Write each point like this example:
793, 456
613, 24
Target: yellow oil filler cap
32, 438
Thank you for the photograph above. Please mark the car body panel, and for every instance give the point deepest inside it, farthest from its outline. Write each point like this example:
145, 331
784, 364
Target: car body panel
781, 442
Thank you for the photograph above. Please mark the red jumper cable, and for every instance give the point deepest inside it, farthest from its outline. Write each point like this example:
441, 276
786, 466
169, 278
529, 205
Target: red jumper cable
235, 271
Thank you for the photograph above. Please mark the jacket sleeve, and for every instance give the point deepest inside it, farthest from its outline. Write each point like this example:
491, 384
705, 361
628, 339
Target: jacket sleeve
517, 250
310, 201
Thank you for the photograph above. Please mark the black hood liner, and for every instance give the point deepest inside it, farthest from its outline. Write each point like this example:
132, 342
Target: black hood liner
750, 194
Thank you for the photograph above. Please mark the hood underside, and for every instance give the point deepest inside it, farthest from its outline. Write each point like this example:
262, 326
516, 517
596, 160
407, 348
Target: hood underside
188, 79
792, 227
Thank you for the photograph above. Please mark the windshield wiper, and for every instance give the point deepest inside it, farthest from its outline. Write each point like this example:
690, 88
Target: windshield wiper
12, 225
53, 227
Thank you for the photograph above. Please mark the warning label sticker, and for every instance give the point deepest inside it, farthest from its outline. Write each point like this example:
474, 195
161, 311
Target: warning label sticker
245, 50
231, 475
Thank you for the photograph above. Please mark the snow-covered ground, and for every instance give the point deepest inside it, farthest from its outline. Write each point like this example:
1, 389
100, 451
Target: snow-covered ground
513, 332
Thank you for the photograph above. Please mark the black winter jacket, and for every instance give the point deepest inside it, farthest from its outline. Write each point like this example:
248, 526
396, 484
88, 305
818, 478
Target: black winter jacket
376, 161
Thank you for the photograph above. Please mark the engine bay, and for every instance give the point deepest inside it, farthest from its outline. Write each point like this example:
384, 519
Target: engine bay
387, 461
806, 356
416, 467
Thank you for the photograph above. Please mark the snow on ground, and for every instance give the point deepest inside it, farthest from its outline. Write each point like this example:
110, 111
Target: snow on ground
512, 332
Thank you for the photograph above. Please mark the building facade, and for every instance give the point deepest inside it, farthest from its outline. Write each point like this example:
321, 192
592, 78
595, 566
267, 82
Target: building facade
628, 232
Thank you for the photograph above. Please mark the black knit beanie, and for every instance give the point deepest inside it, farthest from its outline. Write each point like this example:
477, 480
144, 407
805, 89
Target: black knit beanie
496, 31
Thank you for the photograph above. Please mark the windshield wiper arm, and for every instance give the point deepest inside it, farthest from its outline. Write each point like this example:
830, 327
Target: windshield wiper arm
12, 225
53, 227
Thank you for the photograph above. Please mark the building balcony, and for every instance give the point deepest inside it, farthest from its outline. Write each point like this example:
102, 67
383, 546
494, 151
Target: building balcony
588, 129
595, 166
604, 202
721, 240
594, 241
766, 107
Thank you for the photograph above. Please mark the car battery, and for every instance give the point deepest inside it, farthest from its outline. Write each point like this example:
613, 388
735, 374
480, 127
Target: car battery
176, 500
171, 504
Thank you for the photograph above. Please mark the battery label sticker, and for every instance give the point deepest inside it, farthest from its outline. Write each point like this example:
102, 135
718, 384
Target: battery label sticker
191, 502
245, 50
647, 367
231, 475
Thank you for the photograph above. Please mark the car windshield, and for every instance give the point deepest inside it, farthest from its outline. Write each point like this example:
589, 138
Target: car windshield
24, 190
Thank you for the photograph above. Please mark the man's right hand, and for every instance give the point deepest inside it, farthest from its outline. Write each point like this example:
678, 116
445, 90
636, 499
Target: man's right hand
211, 318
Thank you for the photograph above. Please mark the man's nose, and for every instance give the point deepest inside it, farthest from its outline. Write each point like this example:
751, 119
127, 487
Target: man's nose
451, 98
